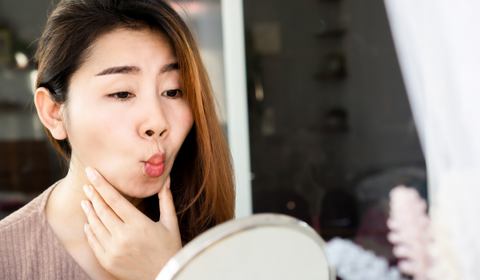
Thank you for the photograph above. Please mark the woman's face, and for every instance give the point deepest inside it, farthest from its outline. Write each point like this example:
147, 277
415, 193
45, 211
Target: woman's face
126, 115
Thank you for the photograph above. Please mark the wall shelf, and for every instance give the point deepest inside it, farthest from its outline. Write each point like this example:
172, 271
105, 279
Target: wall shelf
332, 33
330, 1
330, 76
9, 107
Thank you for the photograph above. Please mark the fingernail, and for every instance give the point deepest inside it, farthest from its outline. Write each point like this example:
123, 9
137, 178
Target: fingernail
91, 174
88, 190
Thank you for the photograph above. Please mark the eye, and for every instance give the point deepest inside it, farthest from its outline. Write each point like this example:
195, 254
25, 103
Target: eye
122, 96
173, 93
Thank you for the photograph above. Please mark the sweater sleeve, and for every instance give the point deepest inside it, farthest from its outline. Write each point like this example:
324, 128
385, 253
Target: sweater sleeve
30, 250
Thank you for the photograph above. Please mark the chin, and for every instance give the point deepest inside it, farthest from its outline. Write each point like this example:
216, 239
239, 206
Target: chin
143, 190
136, 185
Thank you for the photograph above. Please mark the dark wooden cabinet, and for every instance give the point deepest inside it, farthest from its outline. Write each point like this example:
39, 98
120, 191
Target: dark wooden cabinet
24, 166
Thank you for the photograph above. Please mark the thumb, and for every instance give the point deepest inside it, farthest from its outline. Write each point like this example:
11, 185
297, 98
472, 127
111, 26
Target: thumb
168, 215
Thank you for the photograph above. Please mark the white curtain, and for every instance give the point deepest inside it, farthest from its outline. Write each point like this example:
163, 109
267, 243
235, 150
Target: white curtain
438, 47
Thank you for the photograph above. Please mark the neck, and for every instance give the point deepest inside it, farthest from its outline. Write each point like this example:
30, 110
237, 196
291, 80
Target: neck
63, 205
64, 202
67, 219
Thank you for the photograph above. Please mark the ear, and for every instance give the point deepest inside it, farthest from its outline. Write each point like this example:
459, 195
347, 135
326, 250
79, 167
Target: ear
50, 113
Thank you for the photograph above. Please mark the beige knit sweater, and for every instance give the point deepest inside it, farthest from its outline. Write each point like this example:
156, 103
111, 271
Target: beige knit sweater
30, 250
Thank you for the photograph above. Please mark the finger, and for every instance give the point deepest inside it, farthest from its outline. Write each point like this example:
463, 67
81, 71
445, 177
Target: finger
107, 216
168, 216
96, 246
98, 228
124, 209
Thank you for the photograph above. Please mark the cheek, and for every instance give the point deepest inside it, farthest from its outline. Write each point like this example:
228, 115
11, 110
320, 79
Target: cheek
181, 122
93, 133
186, 120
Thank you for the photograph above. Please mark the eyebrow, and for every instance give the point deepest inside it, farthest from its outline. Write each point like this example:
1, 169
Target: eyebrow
169, 68
119, 70
134, 69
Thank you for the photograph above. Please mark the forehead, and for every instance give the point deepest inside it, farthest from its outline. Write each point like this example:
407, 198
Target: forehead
129, 46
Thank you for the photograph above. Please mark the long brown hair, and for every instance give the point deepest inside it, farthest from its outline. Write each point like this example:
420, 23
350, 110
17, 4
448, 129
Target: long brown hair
202, 175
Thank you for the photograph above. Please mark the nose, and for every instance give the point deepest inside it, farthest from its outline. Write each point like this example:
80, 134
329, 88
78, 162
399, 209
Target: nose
154, 122
151, 133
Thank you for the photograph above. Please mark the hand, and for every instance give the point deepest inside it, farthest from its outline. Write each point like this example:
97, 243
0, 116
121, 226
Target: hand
126, 242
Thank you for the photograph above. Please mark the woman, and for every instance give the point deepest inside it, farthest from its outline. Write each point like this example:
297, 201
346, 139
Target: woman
124, 97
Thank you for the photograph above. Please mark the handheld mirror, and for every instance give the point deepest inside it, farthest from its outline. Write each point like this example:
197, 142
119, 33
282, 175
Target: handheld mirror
262, 246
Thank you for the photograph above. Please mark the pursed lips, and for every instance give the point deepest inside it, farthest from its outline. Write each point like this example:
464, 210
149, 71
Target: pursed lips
155, 165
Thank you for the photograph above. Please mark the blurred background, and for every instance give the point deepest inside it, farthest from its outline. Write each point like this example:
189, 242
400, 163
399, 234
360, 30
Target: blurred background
330, 127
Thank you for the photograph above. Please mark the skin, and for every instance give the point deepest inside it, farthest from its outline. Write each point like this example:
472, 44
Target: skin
115, 122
